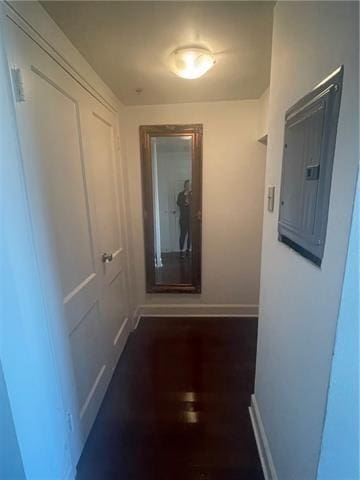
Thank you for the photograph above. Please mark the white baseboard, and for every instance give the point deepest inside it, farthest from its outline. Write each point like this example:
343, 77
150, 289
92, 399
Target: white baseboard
197, 310
262, 442
136, 318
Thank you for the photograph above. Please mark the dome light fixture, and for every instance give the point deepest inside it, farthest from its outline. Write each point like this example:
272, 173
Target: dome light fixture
191, 62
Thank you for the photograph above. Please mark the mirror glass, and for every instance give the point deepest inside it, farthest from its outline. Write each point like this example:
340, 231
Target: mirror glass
172, 208
171, 166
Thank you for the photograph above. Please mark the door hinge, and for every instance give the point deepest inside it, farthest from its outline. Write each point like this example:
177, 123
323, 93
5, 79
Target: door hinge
18, 84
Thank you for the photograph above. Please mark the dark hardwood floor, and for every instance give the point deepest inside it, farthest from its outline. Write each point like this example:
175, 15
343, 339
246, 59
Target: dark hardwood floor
175, 270
177, 406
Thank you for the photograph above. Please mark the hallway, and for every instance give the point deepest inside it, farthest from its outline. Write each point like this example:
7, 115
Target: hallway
177, 406
179, 246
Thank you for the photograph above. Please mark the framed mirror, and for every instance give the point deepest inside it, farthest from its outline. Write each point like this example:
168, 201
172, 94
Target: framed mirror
171, 161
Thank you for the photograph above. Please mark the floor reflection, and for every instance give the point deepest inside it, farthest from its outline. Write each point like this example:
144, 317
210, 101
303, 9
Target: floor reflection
177, 405
176, 269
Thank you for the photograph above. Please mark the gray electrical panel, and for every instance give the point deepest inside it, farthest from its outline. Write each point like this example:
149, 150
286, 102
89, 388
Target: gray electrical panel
309, 145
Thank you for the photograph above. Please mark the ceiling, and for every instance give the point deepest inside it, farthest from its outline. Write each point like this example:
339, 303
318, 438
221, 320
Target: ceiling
128, 45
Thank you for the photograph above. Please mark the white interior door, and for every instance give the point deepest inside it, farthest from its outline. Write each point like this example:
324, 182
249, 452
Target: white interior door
103, 135
67, 141
176, 187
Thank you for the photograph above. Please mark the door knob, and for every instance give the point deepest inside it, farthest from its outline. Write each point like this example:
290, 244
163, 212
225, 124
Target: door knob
107, 257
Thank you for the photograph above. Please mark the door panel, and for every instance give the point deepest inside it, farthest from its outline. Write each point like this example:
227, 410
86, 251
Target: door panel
61, 170
102, 155
117, 312
86, 354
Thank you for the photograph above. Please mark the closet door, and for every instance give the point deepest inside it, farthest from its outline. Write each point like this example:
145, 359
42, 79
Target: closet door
67, 141
102, 141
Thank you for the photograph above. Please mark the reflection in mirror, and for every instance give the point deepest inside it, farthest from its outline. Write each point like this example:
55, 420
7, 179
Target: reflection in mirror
171, 158
172, 195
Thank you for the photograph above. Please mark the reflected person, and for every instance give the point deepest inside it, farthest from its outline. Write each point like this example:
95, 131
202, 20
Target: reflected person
184, 203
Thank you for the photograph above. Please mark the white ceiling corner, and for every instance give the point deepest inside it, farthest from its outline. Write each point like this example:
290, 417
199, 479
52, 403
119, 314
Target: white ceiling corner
128, 44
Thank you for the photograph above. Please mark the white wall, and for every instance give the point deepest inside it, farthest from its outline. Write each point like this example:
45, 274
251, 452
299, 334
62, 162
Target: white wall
340, 459
233, 186
299, 302
263, 124
11, 466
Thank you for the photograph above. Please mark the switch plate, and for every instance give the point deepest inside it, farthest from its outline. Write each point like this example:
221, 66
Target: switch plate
271, 198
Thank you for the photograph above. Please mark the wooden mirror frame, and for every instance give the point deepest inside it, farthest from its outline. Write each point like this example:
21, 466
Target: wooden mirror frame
146, 133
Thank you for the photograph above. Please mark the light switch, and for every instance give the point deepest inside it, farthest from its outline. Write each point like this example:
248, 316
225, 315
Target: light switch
271, 198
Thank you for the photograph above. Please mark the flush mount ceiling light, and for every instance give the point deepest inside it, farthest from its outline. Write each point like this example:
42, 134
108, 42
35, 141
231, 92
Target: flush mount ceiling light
191, 62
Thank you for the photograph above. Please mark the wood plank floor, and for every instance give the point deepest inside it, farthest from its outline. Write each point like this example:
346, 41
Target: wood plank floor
177, 406
174, 269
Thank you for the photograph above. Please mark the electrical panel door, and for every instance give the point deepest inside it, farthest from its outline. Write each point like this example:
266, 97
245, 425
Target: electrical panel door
309, 144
